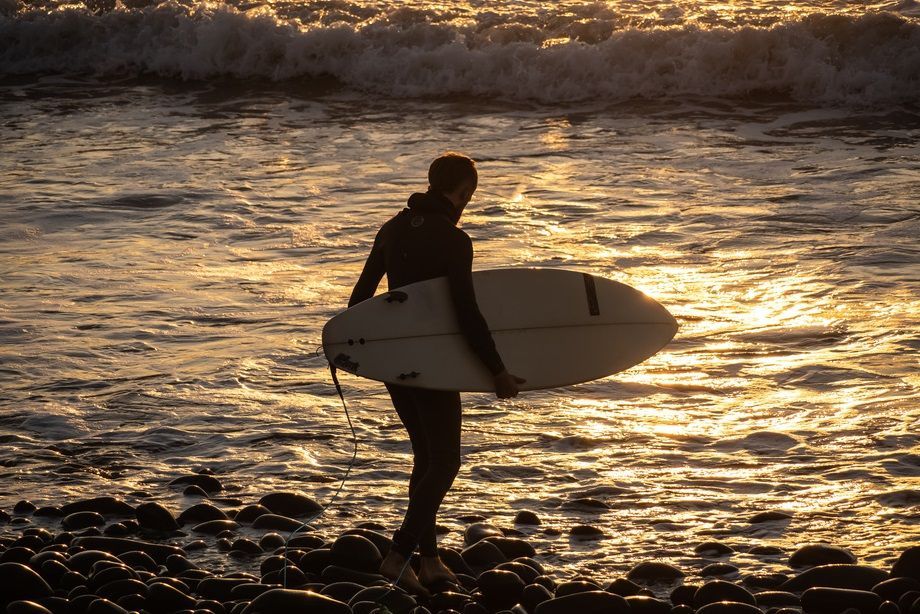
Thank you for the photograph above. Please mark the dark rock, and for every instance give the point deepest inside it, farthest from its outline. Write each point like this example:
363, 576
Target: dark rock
777, 599
356, 552
52, 571
907, 601
342, 591
246, 546
719, 590
533, 595
219, 588
473, 607
82, 520
104, 574
288, 577
449, 600
116, 529
586, 504
197, 544
117, 545
860, 577
193, 490
315, 560
26, 607
274, 522
654, 571
718, 569
155, 517
908, 564
295, 602
623, 587
526, 517
713, 549
270, 541
17, 554
512, 547
836, 600
584, 531
483, 554
591, 602
201, 512
213, 527
526, 573
48, 511
290, 504
380, 540
769, 516
893, 588
889, 607
571, 587
20, 583
165, 598
5, 517
119, 588
685, 609
765, 550
335, 573
250, 513
454, 561
765, 580
820, 554
176, 563
641, 604
305, 542
396, 600
208, 483
729, 607
251, 590
100, 505
24, 507
479, 531
138, 560
104, 606
500, 589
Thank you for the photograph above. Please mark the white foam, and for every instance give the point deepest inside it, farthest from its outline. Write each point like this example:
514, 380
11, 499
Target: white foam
874, 58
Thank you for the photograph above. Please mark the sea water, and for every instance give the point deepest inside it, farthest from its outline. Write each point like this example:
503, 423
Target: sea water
188, 191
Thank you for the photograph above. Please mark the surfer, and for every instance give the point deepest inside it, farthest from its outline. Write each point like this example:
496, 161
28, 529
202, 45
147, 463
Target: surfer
423, 242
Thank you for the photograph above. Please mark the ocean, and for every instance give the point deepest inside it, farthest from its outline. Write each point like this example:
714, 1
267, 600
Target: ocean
188, 191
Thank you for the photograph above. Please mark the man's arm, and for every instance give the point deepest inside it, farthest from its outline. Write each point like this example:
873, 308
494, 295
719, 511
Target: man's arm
374, 268
472, 324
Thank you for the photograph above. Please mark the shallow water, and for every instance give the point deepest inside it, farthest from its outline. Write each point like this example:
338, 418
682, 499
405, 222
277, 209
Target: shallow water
171, 250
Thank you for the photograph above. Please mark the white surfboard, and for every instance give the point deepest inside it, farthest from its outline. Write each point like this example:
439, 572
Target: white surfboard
552, 327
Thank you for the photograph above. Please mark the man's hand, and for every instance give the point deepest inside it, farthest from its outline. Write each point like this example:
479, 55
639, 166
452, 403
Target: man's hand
506, 385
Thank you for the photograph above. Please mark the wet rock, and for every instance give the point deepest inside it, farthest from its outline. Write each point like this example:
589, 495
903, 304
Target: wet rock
82, 520
52, 571
26, 607
250, 513
207, 483
100, 505
479, 531
336, 573
380, 540
5, 517
356, 552
719, 590
777, 599
165, 598
213, 527
584, 531
119, 588
342, 591
104, 574
820, 554
713, 549
769, 517
20, 583
893, 588
765, 550
396, 600
17, 554
48, 511
654, 571
500, 589
571, 587
685, 609
765, 580
202, 512
836, 600
251, 590
219, 588
116, 529
307, 542
177, 563
860, 577
533, 595
270, 541
483, 554
586, 504
246, 546
718, 569
118, 545
641, 604
197, 544
908, 564
591, 602
275, 522
448, 600
315, 560
290, 504
24, 507
889, 607
525, 572
526, 517
454, 561
288, 577
729, 607
512, 547
295, 602
194, 490
623, 587
155, 517
104, 606
907, 601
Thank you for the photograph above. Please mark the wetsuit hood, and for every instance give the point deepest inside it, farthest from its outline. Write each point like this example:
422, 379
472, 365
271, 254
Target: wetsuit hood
433, 202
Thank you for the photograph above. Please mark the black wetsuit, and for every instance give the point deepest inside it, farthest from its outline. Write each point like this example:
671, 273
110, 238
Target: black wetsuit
423, 242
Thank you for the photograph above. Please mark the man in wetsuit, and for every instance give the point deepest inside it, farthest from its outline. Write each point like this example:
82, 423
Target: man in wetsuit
423, 242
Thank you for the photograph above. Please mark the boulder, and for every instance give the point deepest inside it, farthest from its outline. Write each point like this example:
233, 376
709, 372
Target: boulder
860, 577
820, 554
290, 504
591, 602
654, 571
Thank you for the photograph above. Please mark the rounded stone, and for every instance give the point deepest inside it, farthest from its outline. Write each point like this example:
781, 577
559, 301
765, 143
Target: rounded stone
623, 587
26, 607
893, 588
155, 517
100, 505
193, 490
21, 583
591, 602
889, 607
270, 541
201, 512
769, 517
483, 554
860, 577
500, 589
290, 504
908, 564
24, 507
295, 602
213, 527
82, 520
585, 531
835, 600
17, 554
527, 517
450, 601
729, 607
479, 531
718, 569
275, 522
380, 540
533, 595
713, 549
245, 545
777, 599
512, 547
356, 552
342, 591
765, 580
641, 604
396, 600
766, 550
250, 513
166, 598
570, 587
208, 483
719, 590
820, 554
104, 606
654, 571
525, 572
119, 588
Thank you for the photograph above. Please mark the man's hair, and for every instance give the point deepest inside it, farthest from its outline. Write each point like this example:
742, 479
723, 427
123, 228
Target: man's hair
451, 170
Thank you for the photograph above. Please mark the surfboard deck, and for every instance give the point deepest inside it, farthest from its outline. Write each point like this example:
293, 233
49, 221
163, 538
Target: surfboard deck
553, 327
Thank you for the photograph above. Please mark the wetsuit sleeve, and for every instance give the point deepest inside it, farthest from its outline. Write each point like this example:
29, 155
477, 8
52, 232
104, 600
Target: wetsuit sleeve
374, 268
472, 324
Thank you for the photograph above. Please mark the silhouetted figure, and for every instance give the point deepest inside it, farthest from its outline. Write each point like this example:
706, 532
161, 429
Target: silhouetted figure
423, 242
